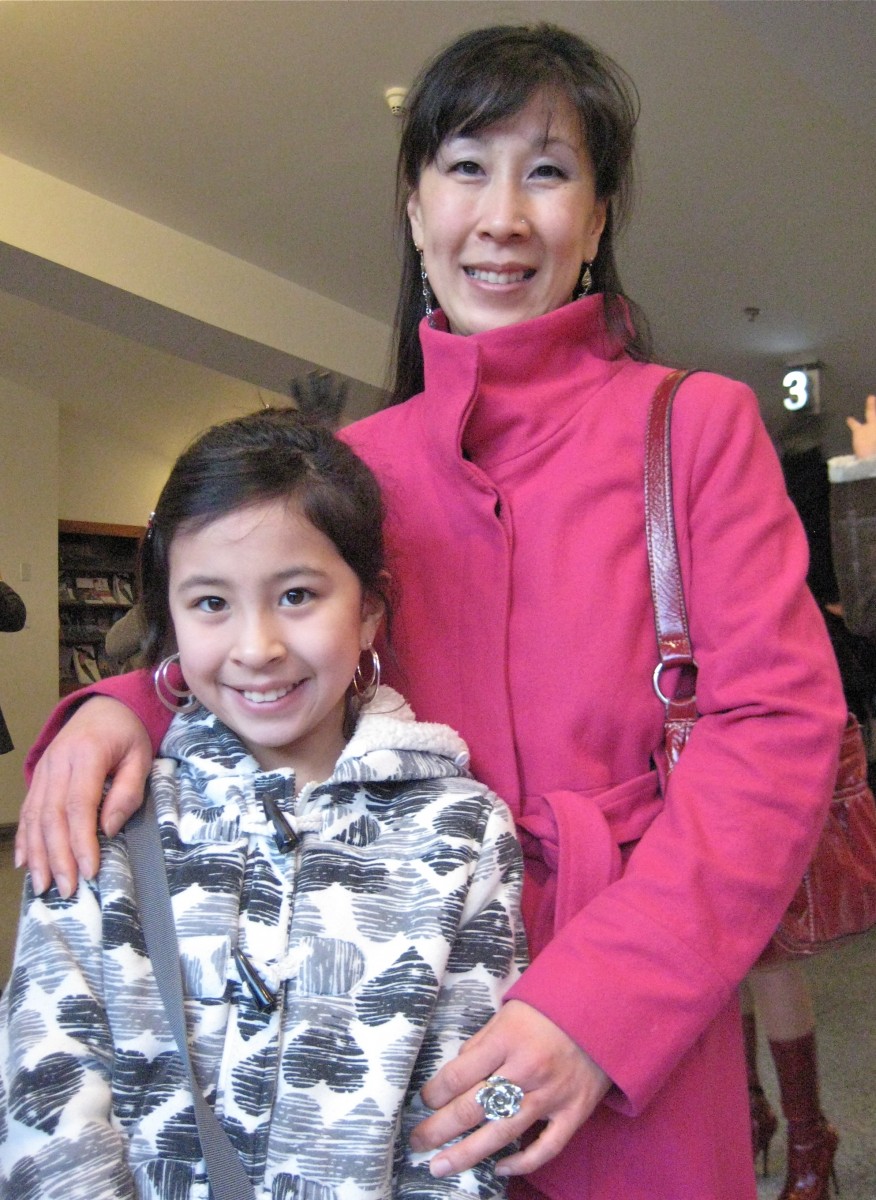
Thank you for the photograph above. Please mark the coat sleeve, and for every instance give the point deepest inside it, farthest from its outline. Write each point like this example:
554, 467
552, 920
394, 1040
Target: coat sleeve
488, 954
135, 690
57, 1136
650, 961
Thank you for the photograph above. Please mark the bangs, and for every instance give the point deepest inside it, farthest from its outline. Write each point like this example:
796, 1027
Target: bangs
485, 93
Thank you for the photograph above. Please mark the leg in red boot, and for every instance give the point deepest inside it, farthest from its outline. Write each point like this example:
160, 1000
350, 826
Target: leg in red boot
812, 1142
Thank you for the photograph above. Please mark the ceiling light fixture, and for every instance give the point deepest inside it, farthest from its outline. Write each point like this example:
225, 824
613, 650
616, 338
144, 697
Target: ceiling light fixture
395, 98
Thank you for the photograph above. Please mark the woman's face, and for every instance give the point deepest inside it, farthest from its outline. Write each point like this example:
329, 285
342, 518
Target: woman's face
505, 217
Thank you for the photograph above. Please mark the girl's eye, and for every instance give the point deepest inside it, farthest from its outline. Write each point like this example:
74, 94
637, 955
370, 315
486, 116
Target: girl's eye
295, 597
211, 604
465, 166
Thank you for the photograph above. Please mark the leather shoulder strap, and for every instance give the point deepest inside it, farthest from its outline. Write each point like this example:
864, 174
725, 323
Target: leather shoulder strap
667, 591
670, 613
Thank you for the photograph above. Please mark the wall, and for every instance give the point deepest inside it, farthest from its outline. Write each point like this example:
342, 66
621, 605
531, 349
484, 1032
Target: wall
105, 476
28, 535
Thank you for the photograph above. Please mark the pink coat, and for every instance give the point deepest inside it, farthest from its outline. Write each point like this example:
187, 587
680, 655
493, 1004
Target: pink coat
516, 535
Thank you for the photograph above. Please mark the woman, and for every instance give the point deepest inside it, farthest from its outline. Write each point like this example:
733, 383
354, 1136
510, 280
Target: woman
515, 493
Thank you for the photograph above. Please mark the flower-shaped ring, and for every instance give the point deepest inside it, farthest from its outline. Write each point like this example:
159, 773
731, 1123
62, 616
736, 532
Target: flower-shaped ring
499, 1098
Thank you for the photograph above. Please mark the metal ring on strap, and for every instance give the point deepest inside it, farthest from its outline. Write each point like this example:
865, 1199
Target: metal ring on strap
658, 671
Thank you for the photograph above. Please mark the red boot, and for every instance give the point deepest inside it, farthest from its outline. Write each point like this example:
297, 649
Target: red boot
763, 1120
812, 1142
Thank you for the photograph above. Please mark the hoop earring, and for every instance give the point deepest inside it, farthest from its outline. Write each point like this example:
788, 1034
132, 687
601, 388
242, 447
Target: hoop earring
585, 282
183, 699
428, 296
365, 692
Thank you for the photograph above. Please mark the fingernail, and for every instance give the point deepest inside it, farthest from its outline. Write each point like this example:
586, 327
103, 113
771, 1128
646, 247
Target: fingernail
87, 869
63, 885
19, 859
439, 1167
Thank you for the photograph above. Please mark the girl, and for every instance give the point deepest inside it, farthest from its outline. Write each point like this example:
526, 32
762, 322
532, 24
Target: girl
345, 896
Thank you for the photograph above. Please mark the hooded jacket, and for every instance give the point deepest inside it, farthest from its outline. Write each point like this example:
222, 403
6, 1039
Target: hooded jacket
387, 935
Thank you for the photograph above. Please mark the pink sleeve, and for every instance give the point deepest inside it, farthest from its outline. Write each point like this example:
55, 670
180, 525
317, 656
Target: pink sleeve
135, 690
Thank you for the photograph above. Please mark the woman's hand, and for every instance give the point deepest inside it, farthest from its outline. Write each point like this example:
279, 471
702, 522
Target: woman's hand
864, 433
562, 1085
57, 831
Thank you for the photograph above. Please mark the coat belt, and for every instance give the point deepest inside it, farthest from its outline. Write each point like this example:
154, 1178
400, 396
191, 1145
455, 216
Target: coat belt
572, 846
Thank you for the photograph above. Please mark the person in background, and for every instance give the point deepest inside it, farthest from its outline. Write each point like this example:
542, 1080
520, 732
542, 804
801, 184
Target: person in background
123, 643
853, 524
511, 457
346, 897
13, 615
864, 432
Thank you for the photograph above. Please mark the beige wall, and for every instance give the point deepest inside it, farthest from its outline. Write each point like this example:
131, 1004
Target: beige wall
28, 537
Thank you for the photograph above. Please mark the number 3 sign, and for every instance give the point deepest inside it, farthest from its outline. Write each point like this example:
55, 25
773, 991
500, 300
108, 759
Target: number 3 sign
802, 389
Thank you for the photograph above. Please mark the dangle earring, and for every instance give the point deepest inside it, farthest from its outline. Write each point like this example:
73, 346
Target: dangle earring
176, 699
365, 691
428, 297
585, 282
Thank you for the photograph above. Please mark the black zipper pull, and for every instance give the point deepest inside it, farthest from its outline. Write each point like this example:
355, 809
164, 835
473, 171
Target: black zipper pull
284, 835
264, 1000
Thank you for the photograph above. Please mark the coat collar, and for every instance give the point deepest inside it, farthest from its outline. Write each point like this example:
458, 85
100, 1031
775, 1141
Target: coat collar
494, 396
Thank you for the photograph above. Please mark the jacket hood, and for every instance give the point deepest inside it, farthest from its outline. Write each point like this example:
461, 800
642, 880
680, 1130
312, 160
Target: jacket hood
388, 744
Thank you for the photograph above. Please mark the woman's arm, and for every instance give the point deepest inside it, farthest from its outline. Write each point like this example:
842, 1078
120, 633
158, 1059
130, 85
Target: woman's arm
56, 1055
114, 736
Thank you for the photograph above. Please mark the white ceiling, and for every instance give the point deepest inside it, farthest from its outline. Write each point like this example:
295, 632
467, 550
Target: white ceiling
261, 129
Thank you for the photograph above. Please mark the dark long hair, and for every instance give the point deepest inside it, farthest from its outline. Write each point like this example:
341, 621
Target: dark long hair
487, 76
273, 454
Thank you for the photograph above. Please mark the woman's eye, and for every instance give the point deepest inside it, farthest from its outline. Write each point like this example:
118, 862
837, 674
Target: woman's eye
549, 171
295, 597
466, 166
211, 604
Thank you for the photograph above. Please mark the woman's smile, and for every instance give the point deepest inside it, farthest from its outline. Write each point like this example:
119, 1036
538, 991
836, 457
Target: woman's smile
503, 275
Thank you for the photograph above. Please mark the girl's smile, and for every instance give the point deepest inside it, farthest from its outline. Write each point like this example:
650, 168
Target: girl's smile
270, 622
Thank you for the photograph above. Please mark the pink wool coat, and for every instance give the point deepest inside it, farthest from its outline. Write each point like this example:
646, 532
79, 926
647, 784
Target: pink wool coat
516, 534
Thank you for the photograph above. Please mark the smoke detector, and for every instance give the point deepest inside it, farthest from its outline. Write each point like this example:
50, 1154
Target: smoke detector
395, 98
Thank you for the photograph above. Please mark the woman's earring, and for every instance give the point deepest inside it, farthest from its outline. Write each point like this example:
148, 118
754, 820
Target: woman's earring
365, 692
183, 700
428, 297
585, 282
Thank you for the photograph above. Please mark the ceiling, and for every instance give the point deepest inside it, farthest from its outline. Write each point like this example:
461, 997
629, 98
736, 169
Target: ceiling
261, 129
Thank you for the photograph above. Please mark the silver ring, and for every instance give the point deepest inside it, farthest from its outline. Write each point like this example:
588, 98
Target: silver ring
499, 1098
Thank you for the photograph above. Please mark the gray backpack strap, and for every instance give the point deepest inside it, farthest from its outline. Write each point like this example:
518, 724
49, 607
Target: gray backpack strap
225, 1169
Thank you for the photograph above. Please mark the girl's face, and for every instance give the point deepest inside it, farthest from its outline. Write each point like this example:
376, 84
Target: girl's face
270, 622
506, 217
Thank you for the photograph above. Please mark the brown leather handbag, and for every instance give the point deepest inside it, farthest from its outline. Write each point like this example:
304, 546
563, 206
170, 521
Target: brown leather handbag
836, 898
